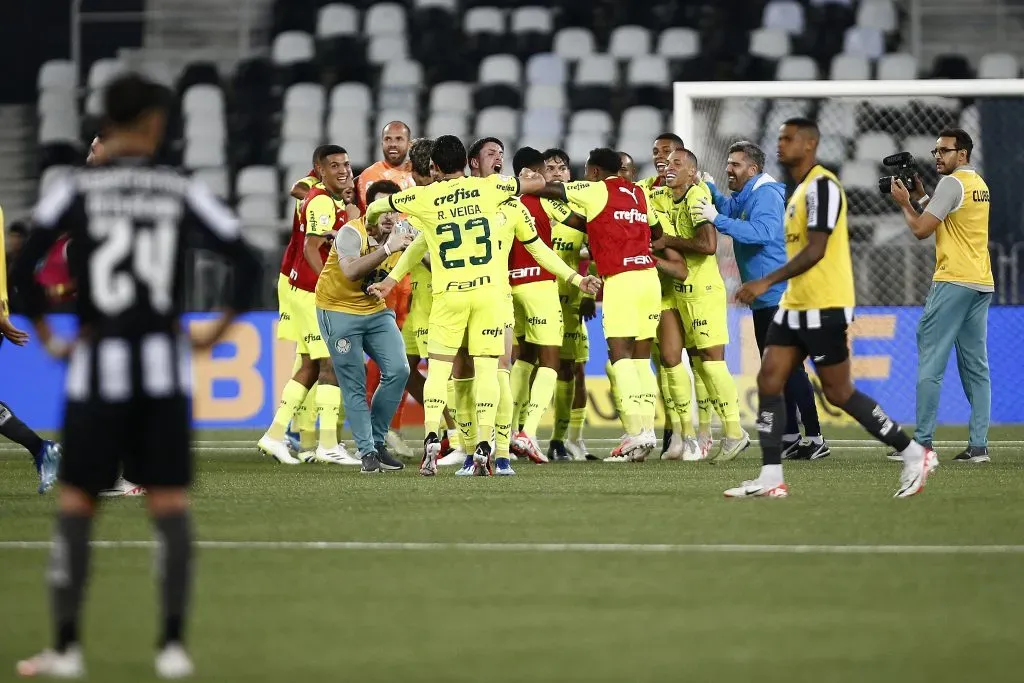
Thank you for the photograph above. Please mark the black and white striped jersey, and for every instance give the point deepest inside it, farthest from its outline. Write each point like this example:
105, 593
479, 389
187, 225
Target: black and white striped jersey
129, 222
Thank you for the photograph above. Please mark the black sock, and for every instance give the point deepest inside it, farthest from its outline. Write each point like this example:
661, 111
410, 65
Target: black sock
174, 539
67, 574
18, 432
771, 411
865, 410
801, 393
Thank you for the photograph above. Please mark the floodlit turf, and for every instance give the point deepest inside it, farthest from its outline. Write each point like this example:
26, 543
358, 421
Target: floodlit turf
483, 615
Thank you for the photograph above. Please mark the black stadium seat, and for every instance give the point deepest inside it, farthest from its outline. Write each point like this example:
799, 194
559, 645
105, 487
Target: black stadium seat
197, 73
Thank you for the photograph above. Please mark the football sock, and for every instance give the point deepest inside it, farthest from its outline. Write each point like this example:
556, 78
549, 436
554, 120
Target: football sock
328, 408
18, 432
771, 415
503, 418
705, 409
435, 393
174, 538
576, 419
681, 390
723, 389
563, 408
486, 392
540, 398
613, 387
520, 381
870, 415
465, 413
452, 402
291, 398
305, 420
648, 396
668, 399
68, 570
798, 386
628, 383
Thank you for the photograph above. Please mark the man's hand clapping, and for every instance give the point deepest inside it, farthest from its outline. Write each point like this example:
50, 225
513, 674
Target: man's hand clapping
398, 241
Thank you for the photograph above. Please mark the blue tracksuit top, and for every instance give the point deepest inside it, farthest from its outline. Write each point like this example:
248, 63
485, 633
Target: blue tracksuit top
753, 218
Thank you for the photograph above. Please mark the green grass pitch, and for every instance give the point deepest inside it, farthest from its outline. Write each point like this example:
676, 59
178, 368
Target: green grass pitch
696, 611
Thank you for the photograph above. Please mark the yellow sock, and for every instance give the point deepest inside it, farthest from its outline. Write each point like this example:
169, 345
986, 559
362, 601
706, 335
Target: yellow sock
452, 402
678, 381
520, 382
577, 416
563, 408
305, 421
668, 399
328, 406
465, 414
503, 418
648, 392
705, 409
723, 389
292, 397
435, 393
613, 387
628, 384
486, 392
541, 391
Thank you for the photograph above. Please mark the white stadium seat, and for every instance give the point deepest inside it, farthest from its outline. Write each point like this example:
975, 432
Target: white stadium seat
860, 175
293, 153
644, 122
203, 101
504, 69
56, 100
259, 208
874, 146
540, 96
337, 20
51, 175
57, 74
648, 70
591, 121
386, 47
999, 65
451, 96
897, 67
785, 15
401, 73
740, 119
532, 19
629, 41
546, 68
351, 97
386, 116
878, 14
539, 142
59, 126
780, 111
769, 43
291, 47
361, 152
796, 68
307, 96
832, 150
103, 71
597, 70
864, 41
302, 123
94, 103
256, 180
578, 146
209, 129
448, 5
484, 20
919, 145
574, 43
345, 129
216, 179
838, 117
679, 43
850, 68
385, 18
288, 178
201, 154
543, 123
448, 123
500, 122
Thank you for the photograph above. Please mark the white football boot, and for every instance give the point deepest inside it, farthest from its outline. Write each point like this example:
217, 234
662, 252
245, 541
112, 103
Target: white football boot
691, 449
396, 443
675, 448
122, 487
333, 456
918, 463
173, 662
278, 450
731, 448
758, 489
50, 664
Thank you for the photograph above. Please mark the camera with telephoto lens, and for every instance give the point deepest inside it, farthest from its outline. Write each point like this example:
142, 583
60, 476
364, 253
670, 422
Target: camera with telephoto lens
903, 168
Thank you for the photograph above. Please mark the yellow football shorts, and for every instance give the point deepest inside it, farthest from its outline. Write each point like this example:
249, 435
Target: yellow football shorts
705, 319
508, 309
668, 296
632, 304
538, 313
307, 328
469, 319
285, 323
414, 330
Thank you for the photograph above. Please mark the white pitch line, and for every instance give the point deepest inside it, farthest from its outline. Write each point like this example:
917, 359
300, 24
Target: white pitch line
656, 548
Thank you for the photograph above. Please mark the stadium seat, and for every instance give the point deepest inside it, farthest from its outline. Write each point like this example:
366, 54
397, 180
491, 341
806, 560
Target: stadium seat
873, 147
547, 123
596, 78
591, 121
539, 142
897, 67
337, 20
386, 47
546, 69
451, 96
838, 117
769, 43
573, 43
850, 68
920, 146
302, 123
350, 133
51, 175
256, 180
796, 68
210, 130
999, 65
102, 71
386, 116
448, 123
305, 96
740, 119
860, 174
259, 208
785, 15
780, 110
678, 43
642, 121
447, 5
94, 103
57, 74
951, 66
647, 79
288, 177
831, 150
500, 122
198, 73
59, 126
527, 19
216, 179
484, 20
294, 153
351, 97
384, 18
291, 47
200, 154
361, 153
540, 96
629, 41
499, 79
877, 14
402, 73
864, 41
578, 147
56, 100
635, 144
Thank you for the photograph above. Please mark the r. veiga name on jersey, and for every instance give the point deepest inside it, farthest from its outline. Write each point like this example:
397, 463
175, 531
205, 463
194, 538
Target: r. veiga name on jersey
631, 216
519, 273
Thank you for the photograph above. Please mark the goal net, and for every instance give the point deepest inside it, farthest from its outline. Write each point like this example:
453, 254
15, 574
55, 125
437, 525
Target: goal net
861, 122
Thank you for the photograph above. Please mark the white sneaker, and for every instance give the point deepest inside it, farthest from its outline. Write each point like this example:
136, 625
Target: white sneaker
628, 449
122, 487
731, 448
757, 489
691, 449
675, 448
705, 443
456, 457
577, 450
278, 450
428, 465
649, 441
397, 445
53, 665
174, 662
915, 473
333, 456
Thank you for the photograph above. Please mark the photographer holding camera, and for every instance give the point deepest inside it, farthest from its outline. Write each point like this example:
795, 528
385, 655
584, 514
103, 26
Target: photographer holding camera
956, 310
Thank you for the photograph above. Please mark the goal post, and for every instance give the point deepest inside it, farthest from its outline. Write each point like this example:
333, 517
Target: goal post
861, 122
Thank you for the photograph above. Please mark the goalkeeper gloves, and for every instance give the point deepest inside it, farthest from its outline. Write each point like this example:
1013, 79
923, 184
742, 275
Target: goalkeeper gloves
708, 211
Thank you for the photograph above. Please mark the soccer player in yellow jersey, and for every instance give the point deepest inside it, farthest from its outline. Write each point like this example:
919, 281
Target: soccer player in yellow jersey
354, 322
701, 300
468, 239
956, 311
813, 317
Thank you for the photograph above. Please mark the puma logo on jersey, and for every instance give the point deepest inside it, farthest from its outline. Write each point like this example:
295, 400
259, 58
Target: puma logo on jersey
631, 192
520, 273
643, 260
631, 216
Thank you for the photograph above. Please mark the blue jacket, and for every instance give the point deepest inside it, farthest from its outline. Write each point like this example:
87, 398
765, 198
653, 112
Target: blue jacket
754, 219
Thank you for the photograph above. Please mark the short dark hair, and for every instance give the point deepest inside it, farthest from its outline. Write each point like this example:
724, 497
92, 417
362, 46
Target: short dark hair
689, 156
381, 186
408, 130
671, 136
128, 97
962, 137
557, 153
606, 159
478, 146
752, 152
325, 151
448, 154
805, 124
419, 155
527, 157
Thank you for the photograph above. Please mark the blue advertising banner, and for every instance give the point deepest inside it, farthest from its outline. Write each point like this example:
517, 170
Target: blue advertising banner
238, 385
